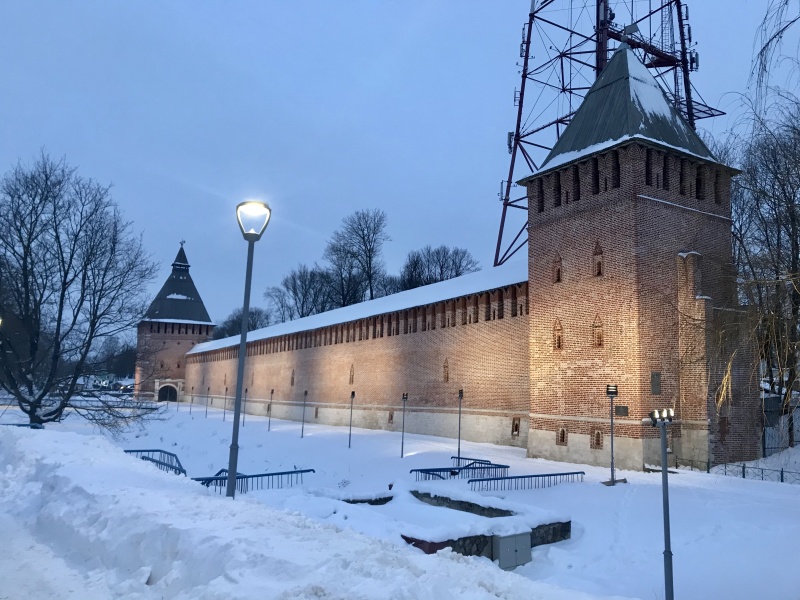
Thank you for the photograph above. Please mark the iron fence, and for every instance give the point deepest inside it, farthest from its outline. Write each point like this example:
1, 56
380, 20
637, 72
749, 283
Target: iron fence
742, 470
473, 469
460, 461
524, 482
249, 483
166, 461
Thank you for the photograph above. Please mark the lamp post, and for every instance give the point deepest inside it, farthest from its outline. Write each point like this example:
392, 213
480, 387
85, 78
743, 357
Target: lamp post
460, 398
253, 217
303, 426
269, 410
403, 435
662, 419
350, 436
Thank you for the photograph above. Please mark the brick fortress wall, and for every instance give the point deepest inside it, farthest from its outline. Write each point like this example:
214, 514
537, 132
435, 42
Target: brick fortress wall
478, 343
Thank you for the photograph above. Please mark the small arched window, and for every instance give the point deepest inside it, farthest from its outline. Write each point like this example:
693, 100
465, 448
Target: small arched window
561, 437
558, 336
597, 332
597, 260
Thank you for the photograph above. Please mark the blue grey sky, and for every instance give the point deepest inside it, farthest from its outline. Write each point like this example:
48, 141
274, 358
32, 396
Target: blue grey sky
320, 108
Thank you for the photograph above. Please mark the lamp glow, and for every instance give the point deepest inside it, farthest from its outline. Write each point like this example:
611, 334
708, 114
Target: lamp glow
253, 217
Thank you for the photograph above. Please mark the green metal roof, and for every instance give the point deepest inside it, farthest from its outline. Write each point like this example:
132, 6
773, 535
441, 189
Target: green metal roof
624, 104
178, 299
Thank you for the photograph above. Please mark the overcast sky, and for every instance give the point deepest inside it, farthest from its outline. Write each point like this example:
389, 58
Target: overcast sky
319, 107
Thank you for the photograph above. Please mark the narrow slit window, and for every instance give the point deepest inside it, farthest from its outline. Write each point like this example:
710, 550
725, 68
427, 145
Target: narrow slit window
665, 172
615, 169
595, 176
558, 336
597, 332
648, 166
576, 183
556, 189
540, 195
597, 260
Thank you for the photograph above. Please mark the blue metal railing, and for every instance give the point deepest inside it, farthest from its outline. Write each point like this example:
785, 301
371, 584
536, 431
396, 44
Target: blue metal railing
524, 482
249, 483
460, 461
166, 461
473, 469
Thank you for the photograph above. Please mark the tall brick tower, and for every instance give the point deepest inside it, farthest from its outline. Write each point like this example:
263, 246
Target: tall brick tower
631, 284
176, 321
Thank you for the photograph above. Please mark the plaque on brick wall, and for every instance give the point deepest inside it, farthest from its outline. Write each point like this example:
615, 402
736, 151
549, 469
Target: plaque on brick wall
620, 410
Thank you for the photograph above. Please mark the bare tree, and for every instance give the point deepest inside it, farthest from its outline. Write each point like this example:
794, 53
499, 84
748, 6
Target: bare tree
303, 292
232, 324
766, 212
363, 233
346, 281
72, 274
431, 265
778, 19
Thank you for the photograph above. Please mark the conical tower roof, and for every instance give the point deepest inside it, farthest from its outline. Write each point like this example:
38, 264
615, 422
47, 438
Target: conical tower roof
624, 104
178, 299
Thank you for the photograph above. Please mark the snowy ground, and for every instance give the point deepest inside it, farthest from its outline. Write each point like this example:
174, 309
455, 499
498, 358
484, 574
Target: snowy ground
80, 519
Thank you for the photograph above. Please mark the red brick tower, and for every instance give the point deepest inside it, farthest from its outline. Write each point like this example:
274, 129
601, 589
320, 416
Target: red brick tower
630, 284
176, 321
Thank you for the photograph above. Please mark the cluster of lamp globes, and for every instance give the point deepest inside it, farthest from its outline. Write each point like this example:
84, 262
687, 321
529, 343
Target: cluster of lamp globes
665, 414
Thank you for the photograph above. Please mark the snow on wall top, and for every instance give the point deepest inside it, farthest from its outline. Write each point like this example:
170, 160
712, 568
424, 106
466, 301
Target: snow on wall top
488, 279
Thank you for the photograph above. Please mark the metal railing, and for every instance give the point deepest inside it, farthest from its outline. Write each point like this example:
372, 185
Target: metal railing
460, 461
524, 482
166, 461
473, 469
249, 483
742, 470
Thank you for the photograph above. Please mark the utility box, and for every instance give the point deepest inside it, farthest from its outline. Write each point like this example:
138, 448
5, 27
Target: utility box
512, 550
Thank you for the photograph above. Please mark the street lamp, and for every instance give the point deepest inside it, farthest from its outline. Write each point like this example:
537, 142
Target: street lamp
303, 426
269, 410
662, 419
253, 217
460, 398
403, 435
350, 436
612, 392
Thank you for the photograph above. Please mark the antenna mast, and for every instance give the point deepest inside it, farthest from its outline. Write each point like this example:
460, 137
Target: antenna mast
565, 46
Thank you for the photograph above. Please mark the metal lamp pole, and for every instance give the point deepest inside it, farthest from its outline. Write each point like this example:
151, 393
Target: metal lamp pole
460, 398
350, 436
253, 218
269, 410
303, 426
611, 392
662, 420
403, 436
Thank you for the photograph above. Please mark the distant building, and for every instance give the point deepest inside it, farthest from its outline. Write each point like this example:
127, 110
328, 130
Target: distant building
629, 282
176, 321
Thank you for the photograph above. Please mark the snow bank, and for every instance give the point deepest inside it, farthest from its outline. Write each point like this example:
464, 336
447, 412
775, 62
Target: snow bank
156, 535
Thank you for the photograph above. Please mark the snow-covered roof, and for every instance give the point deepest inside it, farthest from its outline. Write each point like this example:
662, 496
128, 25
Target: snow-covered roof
625, 104
508, 274
178, 301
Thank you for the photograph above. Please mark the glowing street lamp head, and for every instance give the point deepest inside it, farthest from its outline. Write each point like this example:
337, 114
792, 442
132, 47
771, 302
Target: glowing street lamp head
253, 217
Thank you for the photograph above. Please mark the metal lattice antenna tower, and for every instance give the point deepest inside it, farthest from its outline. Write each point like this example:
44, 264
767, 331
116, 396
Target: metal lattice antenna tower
566, 44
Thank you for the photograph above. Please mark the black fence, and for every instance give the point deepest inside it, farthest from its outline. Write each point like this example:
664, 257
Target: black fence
742, 470
524, 482
166, 461
249, 483
460, 461
472, 469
